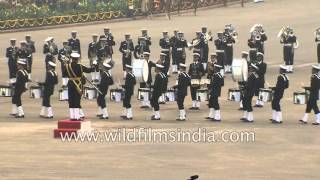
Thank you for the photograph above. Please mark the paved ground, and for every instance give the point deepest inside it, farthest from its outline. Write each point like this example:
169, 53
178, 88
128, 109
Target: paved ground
287, 151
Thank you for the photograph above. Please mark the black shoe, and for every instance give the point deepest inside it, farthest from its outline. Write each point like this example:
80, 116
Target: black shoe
154, 118
162, 102
123, 117
13, 114
192, 108
315, 123
240, 109
178, 119
276, 122
216, 120
303, 122
104, 117
247, 121
126, 118
271, 120
243, 119
48, 117
209, 118
17, 116
42, 116
99, 115
258, 106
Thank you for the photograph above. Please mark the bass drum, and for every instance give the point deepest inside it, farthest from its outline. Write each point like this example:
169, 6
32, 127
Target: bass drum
239, 70
137, 66
145, 71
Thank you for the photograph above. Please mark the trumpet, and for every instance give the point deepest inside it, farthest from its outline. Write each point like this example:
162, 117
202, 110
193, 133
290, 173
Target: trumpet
52, 48
232, 31
208, 36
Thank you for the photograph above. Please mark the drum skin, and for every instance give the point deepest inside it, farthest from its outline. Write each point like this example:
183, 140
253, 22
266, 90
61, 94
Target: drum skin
239, 70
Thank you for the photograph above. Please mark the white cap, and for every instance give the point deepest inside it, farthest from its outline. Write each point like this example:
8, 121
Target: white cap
196, 54
163, 54
260, 53
245, 52
22, 61
75, 55
144, 29
48, 39
52, 64
283, 67
217, 65
316, 67
146, 53
159, 66
182, 65
128, 66
106, 65
23, 42
95, 35
73, 31
13, 39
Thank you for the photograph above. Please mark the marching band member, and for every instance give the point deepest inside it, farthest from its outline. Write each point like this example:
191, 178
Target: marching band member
130, 82
50, 49
51, 81
220, 44
181, 44
313, 97
282, 84
74, 43
24, 53
250, 89
196, 71
205, 48
126, 48
19, 88
144, 33
216, 83
256, 41
109, 41
230, 40
317, 40
174, 55
290, 43
31, 48
11, 54
146, 101
75, 72
165, 62
261, 80
93, 56
182, 91
165, 48
198, 44
141, 47
241, 85
106, 81
63, 56
158, 89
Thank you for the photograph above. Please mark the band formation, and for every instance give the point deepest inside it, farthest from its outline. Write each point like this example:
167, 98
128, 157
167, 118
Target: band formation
204, 77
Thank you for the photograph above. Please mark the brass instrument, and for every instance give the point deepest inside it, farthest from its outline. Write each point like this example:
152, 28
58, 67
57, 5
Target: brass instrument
52, 48
207, 37
232, 31
128, 51
317, 34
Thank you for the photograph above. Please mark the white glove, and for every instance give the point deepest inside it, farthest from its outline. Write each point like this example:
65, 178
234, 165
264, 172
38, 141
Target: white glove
95, 62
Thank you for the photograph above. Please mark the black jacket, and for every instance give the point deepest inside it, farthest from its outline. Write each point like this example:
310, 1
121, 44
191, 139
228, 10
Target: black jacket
216, 83
51, 81
11, 53
139, 50
251, 85
164, 44
314, 86
106, 81
75, 45
93, 49
158, 85
126, 46
24, 53
262, 71
282, 84
21, 80
130, 82
184, 80
220, 45
196, 70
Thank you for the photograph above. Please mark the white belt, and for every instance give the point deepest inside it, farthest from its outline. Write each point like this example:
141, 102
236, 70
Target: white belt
196, 49
165, 49
219, 51
229, 44
253, 49
179, 49
287, 44
318, 42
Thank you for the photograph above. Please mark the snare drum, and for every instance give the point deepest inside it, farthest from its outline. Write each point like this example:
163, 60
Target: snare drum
299, 97
63, 94
265, 95
239, 70
202, 95
234, 95
195, 82
116, 95
90, 93
36, 92
6, 91
171, 95
144, 94
204, 81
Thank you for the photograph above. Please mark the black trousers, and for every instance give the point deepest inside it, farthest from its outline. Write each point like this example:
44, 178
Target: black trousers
46, 100
275, 104
101, 100
312, 105
63, 72
214, 102
288, 55
193, 91
155, 102
229, 55
16, 98
126, 61
221, 58
12, 68
127, 101
205, 53
180, 101
74, 99
174, 58
29, 65
247, 103
318, 52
